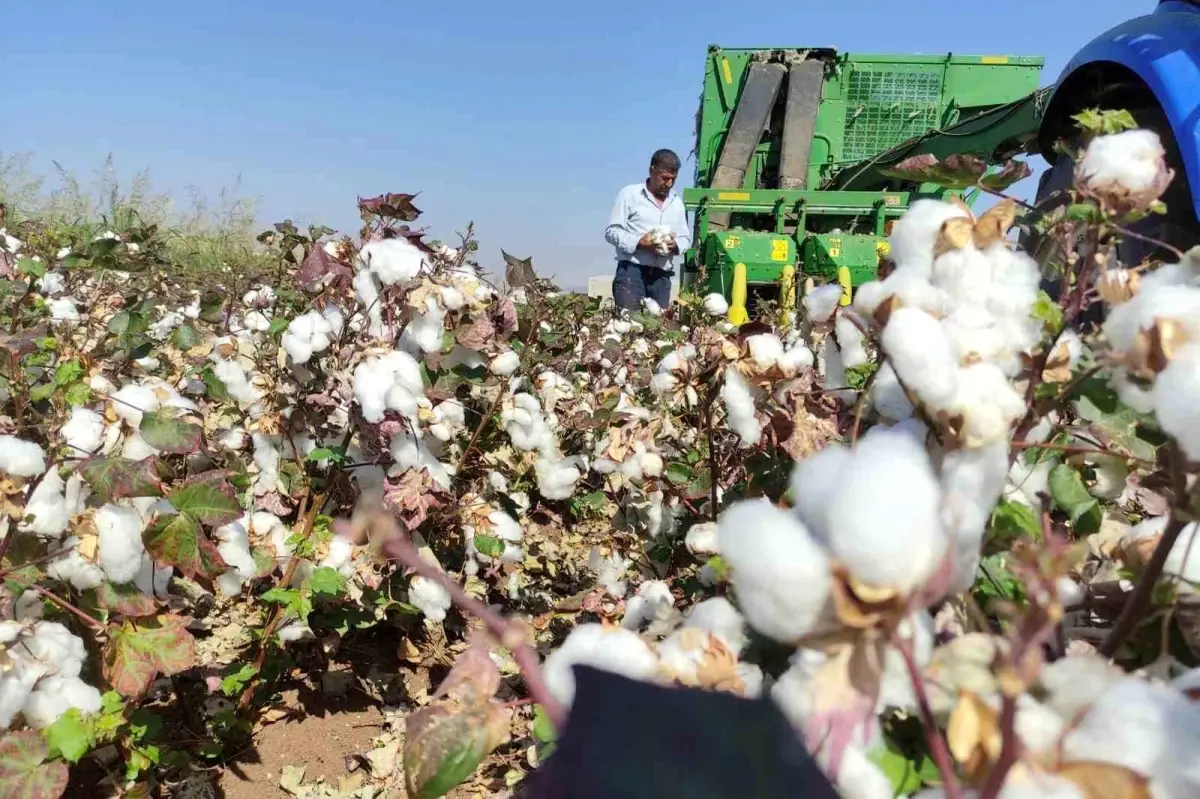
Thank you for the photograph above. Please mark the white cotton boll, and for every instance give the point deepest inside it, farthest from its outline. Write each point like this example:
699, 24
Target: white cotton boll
823, 302
1163, 301
55, 695
394, 261
234, 548
410, 452
916, 232
121, 548
609, 571
974, 334
526, 424
972, 482
664, 383
780, 574
850, 340
811, 484
888, 397
1073, 683
339, 557
295, 630
1176, 397
1183, 561
765, 350
505, 363
429, 597
307, 335
366, 289
715, 305
719, 617
234, 379
1145, 727
922, 356
48, 507
860, 778
797, 358
739, 407
132, 401
965, 275
136, 448
651, 307
653, 600
21, 458
51, 283
702, 538
883, 513
74, 569
557, 477
1027, 481
56, 648
987, 402
63, 310
615, 650
1129, 162
426, 330
389, 382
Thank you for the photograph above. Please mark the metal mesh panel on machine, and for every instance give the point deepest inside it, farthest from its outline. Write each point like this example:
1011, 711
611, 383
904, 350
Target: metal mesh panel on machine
886, 107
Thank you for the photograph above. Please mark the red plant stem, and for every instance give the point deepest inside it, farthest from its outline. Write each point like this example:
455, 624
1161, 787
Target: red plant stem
937, 744
65, 605
508, 634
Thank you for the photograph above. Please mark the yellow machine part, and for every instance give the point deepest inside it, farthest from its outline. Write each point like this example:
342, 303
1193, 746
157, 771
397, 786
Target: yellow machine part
737, 309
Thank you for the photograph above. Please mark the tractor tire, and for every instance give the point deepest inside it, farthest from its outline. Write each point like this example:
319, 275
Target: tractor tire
1178, 227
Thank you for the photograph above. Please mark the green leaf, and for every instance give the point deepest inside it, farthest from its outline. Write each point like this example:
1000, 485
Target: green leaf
32, 268
179, 541
118, 478
678, 473
78, 395
42, 391
69, 736
24, 774
489, 545
543, 727
1071, 496
278, 325
213, 385
293, 600
326, 580
165, 430
321, 454
211, 305
207, 500
1011, 520
125, 599
901, 771
185, 336
264, 561
1048, 312
68, 372
235, 682
141, 649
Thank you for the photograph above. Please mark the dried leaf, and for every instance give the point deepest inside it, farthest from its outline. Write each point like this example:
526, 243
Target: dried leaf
993, 225
1097, 780
956, 233
973, 734
24, 774
390, 206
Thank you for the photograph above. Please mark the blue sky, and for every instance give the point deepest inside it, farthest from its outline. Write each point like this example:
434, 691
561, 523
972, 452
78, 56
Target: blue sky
526, 117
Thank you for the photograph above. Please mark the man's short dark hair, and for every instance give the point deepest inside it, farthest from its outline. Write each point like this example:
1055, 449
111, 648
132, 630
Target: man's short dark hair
665, 160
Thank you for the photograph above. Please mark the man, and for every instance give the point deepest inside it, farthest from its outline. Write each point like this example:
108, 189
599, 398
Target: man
642, 273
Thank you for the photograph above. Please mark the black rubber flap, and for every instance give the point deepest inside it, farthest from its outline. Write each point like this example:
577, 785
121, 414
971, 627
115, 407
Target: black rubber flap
628, 739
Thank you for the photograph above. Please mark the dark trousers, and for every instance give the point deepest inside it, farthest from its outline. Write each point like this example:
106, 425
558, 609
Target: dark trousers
634, 283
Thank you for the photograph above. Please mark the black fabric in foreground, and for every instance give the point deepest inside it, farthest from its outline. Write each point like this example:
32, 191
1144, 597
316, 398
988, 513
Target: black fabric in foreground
627, 739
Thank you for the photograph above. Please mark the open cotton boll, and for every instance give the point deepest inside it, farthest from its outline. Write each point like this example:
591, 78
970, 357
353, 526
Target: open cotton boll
615, 650
73, 568
505, 363
739, 407
55, 695
389, 382
1176, 398
965, 275
883, 513
888, 397
609, 571
133, 400
412, 452
922, 356
394, 261
916, 232
428, 597
136, 448
557, 476
822, 302
987, 402
850, 340
121, 547
811, 484
719, 617
1153, 302
1145, 727
424, 333
51, 283
21, 458
366, 289
83, 432
701, 538
63, 310
781, 576
235, 379
715, 305
307, 335
48, 507
234, 548
653, 600
859, 777
972, 482
766, 350
651, 307
526, 424
1130, 164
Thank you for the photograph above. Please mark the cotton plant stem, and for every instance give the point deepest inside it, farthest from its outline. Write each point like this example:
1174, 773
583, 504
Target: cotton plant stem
938, 747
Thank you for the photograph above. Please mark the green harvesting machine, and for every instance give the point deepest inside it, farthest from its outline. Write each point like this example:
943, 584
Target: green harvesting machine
793, 150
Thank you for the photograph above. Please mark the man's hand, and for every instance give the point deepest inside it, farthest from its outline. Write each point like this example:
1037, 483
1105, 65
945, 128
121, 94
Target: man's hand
645, 242
674, 246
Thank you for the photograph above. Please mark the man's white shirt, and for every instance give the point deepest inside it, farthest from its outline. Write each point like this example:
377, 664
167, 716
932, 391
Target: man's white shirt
634, 214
